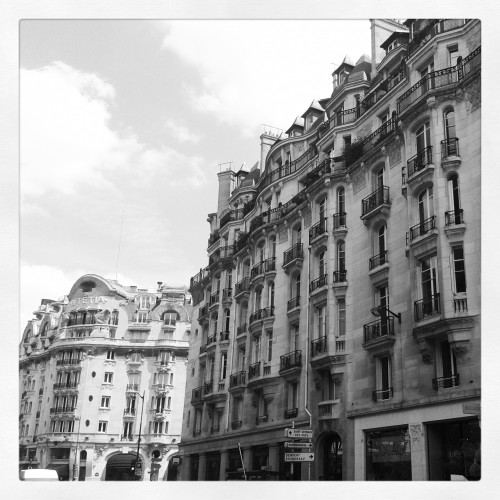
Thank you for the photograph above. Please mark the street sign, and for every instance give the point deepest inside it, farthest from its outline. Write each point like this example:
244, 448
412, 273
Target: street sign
290, 444
299, 457
299, 433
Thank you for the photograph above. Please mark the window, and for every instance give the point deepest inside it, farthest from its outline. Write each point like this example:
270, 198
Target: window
144, 302
157, 427
423, 138
294, 338
269, 335
142, 317
340, 256
198, 414
227, 320
379, 178
452, 55
425, 208
381, 244
108, 378
103, 426
340, 200
322, 209
425, 72
450, 132
114, 317
459, 269
215, 320
328, 389
455, 214
270, 298
170, 318
322, 264
297, 235
71, 425
127, 430
241, 358
273, 247
256, 349
223, 366
258, 299
105, 401
429, 282
446, 365
384, 389
292, 395
110, 355
341, 316
320, 322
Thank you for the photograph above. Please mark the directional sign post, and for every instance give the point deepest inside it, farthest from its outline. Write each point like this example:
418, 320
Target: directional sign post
290, 444
299, 457
299, 433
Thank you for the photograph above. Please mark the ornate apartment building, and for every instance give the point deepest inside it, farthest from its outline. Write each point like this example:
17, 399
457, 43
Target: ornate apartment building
93, 368
342, 292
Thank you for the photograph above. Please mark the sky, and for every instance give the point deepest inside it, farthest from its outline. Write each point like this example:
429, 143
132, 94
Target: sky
124, 125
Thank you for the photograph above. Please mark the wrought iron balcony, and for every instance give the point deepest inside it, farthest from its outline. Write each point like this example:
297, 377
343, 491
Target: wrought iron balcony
208, 387
340, 276
242, 242
293, 303
241, 329
291, 413
227, 294
212, 339
214, 298
258, 269
261, 419
132, 387
319, 346
237, 379
203, 348
318, 283
226, 252
291, 360
129, 412
293, 253
223, 336
254, 370
418, 162
126, 437
449, 148
270, 264
63, 409
197, 395
377, 199
378, 329
242, 286
423, 227
261, 314
339, 220
68, 362
236, 424
203, 312
446, 382
318, 229
427, 308
382, 394
65, 385
378, 260
454, 217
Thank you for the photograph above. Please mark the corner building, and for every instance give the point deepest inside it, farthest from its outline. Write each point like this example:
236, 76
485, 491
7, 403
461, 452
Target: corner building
342, 292
93, 367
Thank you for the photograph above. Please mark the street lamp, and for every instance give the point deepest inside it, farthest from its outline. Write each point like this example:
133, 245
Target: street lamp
382, 311
140, 426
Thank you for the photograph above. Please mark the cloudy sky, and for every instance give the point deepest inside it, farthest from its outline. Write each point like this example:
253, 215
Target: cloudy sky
129, 120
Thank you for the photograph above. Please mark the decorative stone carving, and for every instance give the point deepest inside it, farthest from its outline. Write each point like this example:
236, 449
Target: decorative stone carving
358, 180
283, 233
307, 217
426, 351
394, 153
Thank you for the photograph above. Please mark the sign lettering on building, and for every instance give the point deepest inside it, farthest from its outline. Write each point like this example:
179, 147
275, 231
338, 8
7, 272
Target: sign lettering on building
87, 300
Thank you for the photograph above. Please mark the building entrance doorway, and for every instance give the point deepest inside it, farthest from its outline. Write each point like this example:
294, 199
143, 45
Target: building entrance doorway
121, 467
332, 457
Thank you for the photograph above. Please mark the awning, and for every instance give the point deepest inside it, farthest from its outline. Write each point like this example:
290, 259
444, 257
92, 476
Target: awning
61, 469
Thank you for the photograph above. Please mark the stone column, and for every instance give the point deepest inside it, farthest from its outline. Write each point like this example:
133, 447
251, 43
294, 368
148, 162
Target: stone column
202, 466
418, 465
223, 465
185, 468
247, 457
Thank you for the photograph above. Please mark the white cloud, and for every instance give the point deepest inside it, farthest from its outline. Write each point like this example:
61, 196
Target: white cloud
67, 143
180, 132
255, 72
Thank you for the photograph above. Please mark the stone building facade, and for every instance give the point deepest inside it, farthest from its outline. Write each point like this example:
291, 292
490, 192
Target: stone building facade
342, 292
93, 366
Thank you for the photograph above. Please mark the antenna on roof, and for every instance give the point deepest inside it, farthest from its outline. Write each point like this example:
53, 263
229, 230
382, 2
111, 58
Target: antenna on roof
119, 246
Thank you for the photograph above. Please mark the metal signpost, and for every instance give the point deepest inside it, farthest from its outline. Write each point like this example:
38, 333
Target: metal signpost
299, 457
294, 444
306, 446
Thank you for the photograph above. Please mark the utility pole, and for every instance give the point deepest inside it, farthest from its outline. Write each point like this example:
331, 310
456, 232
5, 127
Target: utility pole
139, 440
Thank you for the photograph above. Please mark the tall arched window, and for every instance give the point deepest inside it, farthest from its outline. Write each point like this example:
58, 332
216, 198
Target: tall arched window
258, 299
227, 320
454, 215
322, 264
423, 143
215, 319
322, 209
425, 207
449, 133
381, 244
297, 234
270, 300
340, 219
272, 248
341, 260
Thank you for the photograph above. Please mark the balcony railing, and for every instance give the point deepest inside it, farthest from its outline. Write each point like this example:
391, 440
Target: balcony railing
241, 242
126, 437
241, 329
340, 276
69, 362
208, 387
237, 379
434, 27
254, 370
214, 298
214, 237
426, 308
212, 339
63, 409
258, 269
318, 229
65, 385
129, 412
226, 252
198, 278
242, 286
440, 78
446, 382
423, 227
291, 413
236, 424
318, 283
449, 147
227, 294
291, 360
319, 346
261, 314
197, 395
378, 329
339, 220
261, 419
293, 303
295, 252
382, 395
378, 260
376, 199
223, 336
454, 217
203, 312
132, 387
270, 264
419, 161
